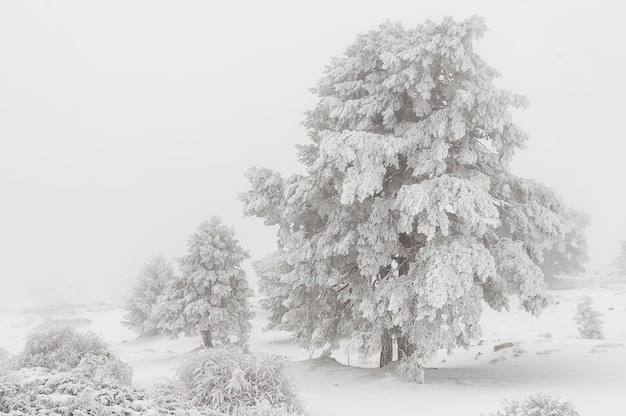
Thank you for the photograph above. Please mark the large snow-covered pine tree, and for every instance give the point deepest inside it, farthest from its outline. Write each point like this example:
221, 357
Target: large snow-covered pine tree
408, 217
152, 281
210, 297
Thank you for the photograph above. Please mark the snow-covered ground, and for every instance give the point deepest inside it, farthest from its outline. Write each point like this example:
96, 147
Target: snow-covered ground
548, 357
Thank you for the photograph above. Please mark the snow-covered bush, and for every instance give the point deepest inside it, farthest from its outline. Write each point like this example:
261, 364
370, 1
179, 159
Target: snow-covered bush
63, 348
588, 319
537, 405
229, 381
410, 370
4, 360
41, 391
60, 347
265, 408
103, 368
66, 372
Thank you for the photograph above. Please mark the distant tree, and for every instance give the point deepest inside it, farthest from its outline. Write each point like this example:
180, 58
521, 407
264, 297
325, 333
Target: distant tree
151, 284
408, 217
620, 262
210, 297
567, 256
588, 319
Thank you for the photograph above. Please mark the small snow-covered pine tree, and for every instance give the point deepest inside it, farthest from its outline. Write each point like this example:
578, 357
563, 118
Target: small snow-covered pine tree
407, 218
588, 319
140, 305
619, 264
210, 297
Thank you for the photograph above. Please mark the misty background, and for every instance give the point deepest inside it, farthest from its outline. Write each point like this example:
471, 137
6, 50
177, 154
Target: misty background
123, 125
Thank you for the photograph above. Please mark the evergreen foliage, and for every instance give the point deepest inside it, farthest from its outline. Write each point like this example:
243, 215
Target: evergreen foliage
153, 280
567, 256
407, 218
538, 405
588, 319
210, 297
619, 263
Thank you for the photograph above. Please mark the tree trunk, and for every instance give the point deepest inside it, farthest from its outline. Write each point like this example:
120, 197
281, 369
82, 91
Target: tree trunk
405, 348
386, 349
206, 337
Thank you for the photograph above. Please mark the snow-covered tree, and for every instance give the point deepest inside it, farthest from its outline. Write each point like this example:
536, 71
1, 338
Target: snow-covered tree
619, 264
210, 297
568, 255
151, 284
588, 319
407, 217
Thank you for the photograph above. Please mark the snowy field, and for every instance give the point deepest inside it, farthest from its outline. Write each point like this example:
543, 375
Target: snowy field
548, 357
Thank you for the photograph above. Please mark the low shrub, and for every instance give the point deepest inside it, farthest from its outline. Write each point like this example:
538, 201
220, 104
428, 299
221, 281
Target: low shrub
65, 372
60, 347
5, 360
229, 381
537, 405
410, 370
70, 373
101, 368
63, 348
40, 391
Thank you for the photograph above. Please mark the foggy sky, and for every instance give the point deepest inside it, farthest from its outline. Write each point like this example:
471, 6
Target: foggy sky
123, 125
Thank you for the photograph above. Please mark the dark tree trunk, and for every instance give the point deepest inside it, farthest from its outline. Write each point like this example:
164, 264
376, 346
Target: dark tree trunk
405, 348
403, 266
206, 337
386, 349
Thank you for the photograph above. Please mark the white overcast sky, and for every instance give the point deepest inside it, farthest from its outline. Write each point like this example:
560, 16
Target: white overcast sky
124, 124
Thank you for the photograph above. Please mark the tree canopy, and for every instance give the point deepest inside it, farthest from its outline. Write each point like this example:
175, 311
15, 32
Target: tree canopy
152, 281
408, 216
210, 297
